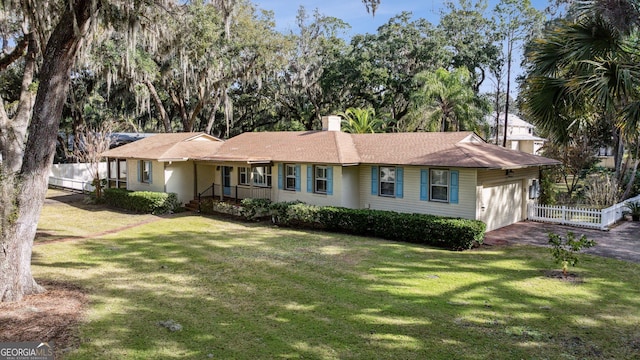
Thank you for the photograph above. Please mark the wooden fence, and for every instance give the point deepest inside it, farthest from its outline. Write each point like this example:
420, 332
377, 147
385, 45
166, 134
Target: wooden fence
590, 218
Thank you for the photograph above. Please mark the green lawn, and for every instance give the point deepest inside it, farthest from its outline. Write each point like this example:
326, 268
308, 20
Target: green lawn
252, 291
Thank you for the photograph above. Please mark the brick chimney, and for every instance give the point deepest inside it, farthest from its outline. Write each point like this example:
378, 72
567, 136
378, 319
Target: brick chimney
331, 123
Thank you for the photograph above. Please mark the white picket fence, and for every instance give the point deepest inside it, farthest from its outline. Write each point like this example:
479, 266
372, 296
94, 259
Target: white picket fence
590, 218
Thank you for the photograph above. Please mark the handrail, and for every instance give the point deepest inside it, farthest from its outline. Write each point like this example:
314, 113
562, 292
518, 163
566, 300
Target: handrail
204, 191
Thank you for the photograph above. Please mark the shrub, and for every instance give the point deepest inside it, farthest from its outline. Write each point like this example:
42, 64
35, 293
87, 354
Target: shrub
211, 206
142, 201
601, 190
255, 208
450, 233
564, 250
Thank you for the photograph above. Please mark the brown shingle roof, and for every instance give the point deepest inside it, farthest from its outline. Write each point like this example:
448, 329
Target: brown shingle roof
168, 147
451, 149
328, 147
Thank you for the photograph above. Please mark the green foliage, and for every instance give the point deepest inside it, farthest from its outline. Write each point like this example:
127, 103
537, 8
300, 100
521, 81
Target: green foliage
564, 250
634, 207
445, 101
547, 189
211, 206
450, 233
255, 208
361, 121
141, 201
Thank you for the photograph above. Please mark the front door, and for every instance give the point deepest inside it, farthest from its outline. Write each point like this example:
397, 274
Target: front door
226, 180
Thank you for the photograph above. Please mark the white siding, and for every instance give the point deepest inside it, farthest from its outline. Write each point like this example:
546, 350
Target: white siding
206, 175
157, 177
411, 203
179, 177
350, 185
309, 197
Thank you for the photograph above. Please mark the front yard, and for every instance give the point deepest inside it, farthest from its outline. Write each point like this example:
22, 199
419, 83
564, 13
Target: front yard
253, 291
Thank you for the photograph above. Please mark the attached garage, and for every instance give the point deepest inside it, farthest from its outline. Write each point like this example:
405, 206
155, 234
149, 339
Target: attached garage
502, 204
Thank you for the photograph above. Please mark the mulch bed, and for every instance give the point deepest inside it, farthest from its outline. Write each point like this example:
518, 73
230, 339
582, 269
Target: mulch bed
51, 316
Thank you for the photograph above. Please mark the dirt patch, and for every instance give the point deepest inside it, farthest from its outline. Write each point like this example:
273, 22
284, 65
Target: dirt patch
51, 316
570, 277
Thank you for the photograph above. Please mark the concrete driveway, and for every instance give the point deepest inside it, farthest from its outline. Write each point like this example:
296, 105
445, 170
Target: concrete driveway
622, 242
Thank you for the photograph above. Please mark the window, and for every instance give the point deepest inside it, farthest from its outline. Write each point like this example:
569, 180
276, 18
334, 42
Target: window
387, 181
320, 179
144, 168
439, 185
261, 176
117, 173
290, 177
243, 176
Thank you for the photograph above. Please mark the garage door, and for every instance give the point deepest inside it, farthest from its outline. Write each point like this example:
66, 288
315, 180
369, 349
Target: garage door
502, 204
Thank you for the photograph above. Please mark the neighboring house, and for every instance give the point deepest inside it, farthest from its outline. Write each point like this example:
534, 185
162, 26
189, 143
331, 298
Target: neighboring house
520, 134
450, 174
606, 157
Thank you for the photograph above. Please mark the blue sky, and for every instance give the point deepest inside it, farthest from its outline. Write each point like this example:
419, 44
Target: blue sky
353, 12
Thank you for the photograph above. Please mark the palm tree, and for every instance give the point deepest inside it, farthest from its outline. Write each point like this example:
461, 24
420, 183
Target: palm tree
585, 68
445, 101
361, 121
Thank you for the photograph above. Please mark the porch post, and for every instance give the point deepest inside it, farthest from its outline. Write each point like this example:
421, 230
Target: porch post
221, 183
251, 181
195, 180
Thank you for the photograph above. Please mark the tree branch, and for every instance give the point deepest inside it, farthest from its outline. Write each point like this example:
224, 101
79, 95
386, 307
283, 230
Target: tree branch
14, 55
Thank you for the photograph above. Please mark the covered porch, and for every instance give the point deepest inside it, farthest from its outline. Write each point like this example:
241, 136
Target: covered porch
232, 181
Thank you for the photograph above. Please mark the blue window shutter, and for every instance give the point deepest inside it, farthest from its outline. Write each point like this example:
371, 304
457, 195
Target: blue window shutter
140, 170
374, 180
424, 185
329, 180
280, 176
309, 178
454, 187
150, 172
399, 182
297, 177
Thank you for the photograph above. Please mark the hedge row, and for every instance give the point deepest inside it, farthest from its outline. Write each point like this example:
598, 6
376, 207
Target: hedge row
142, 201
449, 233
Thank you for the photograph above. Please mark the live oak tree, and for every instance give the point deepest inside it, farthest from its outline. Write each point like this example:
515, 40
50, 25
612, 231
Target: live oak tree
27, 159
49, 36
55, 32
471, 36
380, 67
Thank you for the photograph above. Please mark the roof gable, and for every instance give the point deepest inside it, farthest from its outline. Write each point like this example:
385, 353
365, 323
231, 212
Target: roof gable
168, 147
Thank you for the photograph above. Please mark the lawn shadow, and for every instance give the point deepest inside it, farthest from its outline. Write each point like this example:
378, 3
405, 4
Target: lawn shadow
250, 290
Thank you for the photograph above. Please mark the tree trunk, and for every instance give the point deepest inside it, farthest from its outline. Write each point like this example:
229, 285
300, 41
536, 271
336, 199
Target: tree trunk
214, 109
159, 106
24, 199
506, 106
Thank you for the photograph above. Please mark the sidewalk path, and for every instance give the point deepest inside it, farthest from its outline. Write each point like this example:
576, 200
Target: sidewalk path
622, 242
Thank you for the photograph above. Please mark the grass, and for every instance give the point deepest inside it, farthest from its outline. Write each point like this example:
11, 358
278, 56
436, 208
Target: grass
252, 291
66, 217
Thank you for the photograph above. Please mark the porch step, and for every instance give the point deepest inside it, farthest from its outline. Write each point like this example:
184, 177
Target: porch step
192, 205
